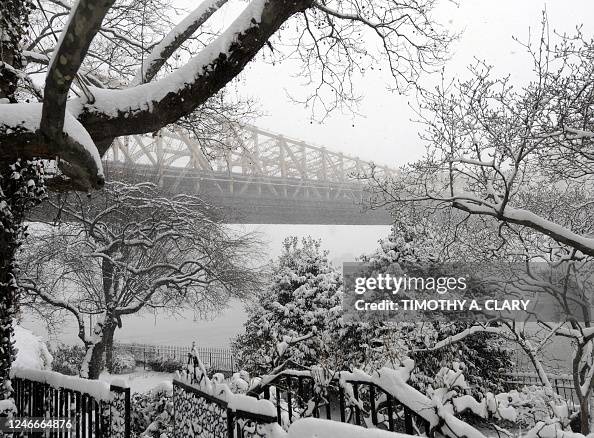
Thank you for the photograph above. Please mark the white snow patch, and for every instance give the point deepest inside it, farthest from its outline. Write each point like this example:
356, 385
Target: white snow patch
27, 116
317, 428
32, 351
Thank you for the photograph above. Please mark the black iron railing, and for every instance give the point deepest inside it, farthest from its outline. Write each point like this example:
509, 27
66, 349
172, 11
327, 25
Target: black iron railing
92, 417
346, 400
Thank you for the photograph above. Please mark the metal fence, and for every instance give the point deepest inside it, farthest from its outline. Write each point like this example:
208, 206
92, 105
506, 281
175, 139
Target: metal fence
364, 403
90, 416
199, 414
216, 359
562, 384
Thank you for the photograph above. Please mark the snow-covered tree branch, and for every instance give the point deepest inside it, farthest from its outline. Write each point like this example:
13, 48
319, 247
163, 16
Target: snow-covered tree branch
131, 249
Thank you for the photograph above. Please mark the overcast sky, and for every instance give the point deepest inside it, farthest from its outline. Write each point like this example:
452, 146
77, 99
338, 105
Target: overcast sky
385, 132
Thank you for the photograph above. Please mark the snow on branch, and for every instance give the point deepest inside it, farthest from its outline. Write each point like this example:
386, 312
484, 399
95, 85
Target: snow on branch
174, 39
148, 107
21, 137
83, 24
527, 218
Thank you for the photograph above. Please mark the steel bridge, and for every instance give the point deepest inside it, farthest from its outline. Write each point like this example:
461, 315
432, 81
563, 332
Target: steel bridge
257, 177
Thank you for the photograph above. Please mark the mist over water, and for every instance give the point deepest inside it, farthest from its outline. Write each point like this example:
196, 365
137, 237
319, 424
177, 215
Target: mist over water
344, 243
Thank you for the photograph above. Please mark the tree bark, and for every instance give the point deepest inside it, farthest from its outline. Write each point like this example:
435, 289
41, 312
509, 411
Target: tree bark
108, 342
584, 399
102, 351
96, 360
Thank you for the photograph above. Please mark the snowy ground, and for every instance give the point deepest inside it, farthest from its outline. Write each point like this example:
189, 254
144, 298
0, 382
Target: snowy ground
140, 380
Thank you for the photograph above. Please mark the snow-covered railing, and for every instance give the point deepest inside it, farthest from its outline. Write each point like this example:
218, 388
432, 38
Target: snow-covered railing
211, 409
348, 397
96, 408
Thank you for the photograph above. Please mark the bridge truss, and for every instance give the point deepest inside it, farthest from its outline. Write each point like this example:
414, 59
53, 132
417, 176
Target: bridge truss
256, 176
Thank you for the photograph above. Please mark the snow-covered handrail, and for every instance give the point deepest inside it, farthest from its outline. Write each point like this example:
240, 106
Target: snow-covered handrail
394, 382
100, 391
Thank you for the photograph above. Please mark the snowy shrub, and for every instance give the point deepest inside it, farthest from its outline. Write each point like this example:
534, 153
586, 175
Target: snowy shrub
152, 413
32, 352
68, 358
123, 363
534, 404
166, 365
413, 245
304, 298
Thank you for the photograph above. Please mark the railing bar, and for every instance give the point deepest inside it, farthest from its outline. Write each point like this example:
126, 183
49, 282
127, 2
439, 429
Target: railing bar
357, 410
390, 401
408, 421
89, 408
83, 408
98, 431
342, 406
278, 403
77, 415
289, 398
372, 404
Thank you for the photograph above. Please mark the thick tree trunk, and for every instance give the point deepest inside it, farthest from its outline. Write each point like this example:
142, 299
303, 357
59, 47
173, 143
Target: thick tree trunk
101, 353
108, 273
108, 343
584, 416
95, 365
579, 374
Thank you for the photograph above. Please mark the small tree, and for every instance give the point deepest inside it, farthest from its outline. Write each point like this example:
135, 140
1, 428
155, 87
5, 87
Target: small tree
130, 249
304, 298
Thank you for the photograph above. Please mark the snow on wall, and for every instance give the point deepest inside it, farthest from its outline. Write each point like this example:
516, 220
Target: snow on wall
95, 388
31, 350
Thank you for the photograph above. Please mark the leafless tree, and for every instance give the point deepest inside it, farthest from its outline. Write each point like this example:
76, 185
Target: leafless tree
129, 249
520, 162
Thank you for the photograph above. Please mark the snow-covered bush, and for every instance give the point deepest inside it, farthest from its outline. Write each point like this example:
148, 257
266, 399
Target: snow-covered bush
152, 412
68, 358
32, 352
166, 365
123, 363
413, 245
304, 298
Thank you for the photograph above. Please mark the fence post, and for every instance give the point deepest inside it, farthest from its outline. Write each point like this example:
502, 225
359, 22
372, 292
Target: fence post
230, 423
128, 417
